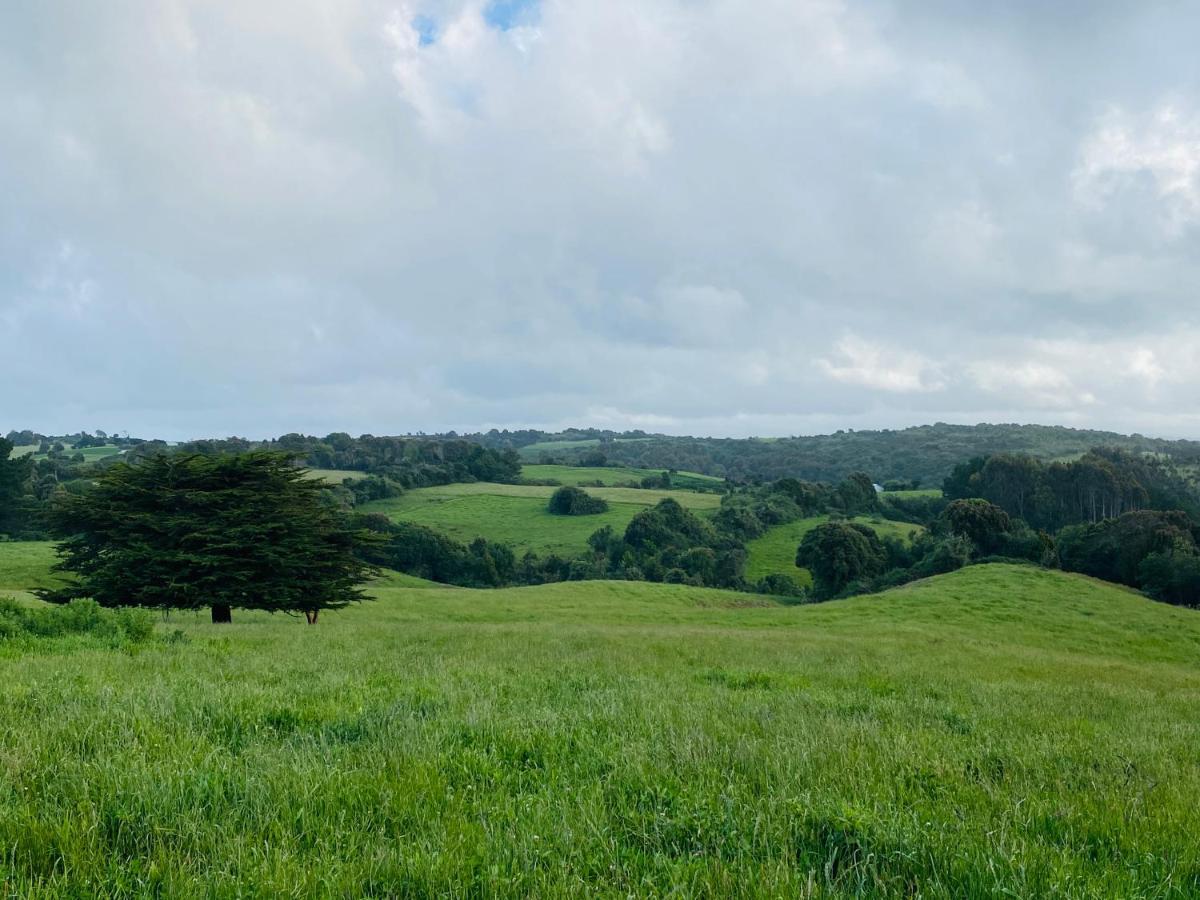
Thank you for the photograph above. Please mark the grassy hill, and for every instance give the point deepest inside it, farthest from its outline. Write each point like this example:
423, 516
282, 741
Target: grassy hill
1001, 731
775, 551
613, 475
516, 514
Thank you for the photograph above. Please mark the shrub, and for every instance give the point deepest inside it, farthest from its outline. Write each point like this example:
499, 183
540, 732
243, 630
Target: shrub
779, 585
88, 617
574, 501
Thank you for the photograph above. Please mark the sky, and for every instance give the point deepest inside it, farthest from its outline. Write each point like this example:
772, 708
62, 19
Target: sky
702, 217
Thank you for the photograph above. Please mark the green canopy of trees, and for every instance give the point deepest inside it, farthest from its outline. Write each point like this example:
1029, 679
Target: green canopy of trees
186, 531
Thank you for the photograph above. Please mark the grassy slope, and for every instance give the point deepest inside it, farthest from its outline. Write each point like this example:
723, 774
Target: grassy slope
997, 731
516, 514
334, 476
25, 565
607, 474
775, 551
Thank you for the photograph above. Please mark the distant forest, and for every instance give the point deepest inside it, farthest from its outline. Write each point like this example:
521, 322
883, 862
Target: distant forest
925, 454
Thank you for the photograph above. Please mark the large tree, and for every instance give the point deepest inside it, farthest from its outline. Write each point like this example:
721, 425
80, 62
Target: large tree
185, 531
14, 473
838, 553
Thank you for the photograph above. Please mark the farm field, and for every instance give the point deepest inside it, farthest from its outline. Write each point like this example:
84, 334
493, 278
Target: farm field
998, 731
25, 565
612, 475
334, 476
775, 551
532, 451
516, 514
931, 493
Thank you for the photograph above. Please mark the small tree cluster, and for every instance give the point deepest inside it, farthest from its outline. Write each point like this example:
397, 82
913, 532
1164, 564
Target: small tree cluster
575, 501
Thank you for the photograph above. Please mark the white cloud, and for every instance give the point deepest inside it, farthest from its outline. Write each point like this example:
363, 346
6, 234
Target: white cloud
872, 365
1163, 145
303, 215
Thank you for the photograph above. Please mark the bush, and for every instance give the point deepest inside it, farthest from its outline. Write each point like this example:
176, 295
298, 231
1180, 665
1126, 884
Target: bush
88, 617
574, 501
779, 585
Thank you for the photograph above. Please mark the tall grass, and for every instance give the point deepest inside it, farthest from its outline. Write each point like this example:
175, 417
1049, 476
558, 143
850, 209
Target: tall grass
1001, 731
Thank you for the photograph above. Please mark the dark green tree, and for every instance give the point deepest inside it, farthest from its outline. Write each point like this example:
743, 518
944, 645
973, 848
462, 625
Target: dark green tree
185, 531
839, 553
575, 501
984, 524
14, 474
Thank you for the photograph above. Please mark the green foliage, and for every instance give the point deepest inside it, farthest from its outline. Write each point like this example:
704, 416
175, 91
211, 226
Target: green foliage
856, 495
981, 522
839, 554
184, 531
575, 501
1104, 483
14, 476
18, 621
1115, 549
925, 454
1171, 576
779, 585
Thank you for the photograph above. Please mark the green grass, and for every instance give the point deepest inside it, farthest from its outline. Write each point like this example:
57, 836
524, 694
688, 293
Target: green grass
775, 551
533, 451
23, 450
334, 476
930, 493
516, 514
1001, 731
612, 475
90, 454
25, 565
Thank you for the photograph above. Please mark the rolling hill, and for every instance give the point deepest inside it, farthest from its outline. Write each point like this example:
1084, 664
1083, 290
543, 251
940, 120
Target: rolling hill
998, 731
516, 514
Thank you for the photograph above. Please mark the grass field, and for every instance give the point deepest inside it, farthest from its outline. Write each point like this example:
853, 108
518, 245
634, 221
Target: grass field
334, 476
90, 454
612, 475
1000, 731
516, 514
775, 551
927, 493
25, 565
533, 451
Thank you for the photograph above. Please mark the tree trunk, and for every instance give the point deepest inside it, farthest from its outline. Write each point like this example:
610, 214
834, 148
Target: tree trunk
222, 614
311, 615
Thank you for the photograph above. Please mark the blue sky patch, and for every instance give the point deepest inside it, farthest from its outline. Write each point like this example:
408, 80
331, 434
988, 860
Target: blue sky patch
506, 14
426, 29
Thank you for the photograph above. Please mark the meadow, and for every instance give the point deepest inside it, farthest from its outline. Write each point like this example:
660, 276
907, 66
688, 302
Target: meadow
614, 475
516, 514
775, 552
1000, 731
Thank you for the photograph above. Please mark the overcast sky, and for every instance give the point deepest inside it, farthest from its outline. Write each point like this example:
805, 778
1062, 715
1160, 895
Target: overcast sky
694, 216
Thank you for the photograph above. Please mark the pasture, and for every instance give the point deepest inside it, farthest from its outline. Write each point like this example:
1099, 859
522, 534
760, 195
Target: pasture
615, 475
516, 514
1001, 731
334, 476
775, 551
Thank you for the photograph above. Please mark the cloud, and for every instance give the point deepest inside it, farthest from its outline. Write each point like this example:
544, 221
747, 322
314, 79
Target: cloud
868, 364
1161, 146
429, 214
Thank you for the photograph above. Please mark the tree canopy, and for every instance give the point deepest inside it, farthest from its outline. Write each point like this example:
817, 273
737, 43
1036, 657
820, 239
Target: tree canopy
185, 531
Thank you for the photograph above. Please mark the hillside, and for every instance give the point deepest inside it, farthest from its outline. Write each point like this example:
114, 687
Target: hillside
516, 514
926, 453
774, 553
997, 731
